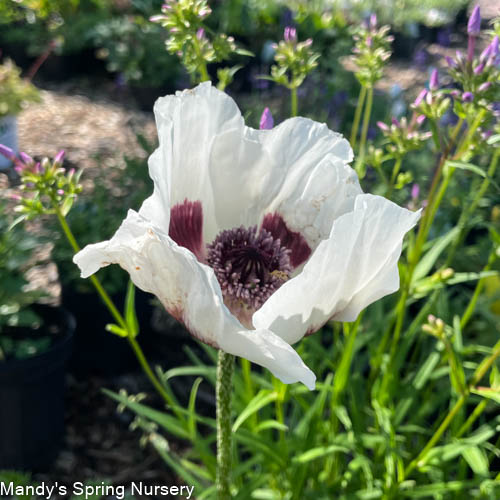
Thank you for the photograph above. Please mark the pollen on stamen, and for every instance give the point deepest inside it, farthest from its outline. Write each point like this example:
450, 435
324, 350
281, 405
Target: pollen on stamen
249, 265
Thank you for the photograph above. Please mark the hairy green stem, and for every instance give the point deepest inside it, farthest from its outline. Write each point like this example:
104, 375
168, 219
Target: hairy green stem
225, 366
357, 116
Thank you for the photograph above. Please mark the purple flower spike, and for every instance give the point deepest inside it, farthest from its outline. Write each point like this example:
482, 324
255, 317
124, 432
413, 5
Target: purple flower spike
373, 21
7, 152
474, 25
59, 158
479, 69
266, 120
382, 126
434, 80
468, 97
420, 97
494, 46
415, 191
290, 34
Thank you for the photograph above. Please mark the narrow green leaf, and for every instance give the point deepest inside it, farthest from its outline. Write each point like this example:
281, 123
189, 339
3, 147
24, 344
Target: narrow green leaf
116, 330
130, 314
476, 458
192, 408
472, 168
319, 452
261, 399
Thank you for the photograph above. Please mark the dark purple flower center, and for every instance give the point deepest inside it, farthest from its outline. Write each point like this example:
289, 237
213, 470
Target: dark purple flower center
249, 265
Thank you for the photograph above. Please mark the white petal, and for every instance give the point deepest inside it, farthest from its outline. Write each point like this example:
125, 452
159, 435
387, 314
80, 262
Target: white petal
298, 169
187, 125
354, 267
190, 292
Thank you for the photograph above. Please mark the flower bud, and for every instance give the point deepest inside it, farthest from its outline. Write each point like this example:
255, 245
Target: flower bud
373, 21
484, 86
474, 24
467, 96
59, 158
200, 34
290, 34
420, 119
451, 62
7, 152
479, 69
415, 191
434, 80
382, 126
395, 122
266, 120
420, 97
26, 159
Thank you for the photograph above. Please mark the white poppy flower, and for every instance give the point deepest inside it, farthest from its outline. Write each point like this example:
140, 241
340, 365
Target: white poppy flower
255, 238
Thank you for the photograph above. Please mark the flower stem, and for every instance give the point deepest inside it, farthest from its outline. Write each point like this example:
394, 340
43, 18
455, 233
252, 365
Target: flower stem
394, 175
225, 364
114, 312
357, 116
294, 102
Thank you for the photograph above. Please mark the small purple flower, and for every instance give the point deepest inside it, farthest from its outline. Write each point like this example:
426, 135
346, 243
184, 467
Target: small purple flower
420, 97
474, 24
266, 120
290, 34
60, 192
467, 96
434, 80
494, 46
71, 172
373, 21
200, 34
395, 122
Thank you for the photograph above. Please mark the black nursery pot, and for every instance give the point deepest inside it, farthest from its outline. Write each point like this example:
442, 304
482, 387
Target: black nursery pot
32, 400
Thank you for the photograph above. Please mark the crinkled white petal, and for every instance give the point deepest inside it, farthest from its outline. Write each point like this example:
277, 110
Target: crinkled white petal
354, 267
190, 292
298, 169
187, 125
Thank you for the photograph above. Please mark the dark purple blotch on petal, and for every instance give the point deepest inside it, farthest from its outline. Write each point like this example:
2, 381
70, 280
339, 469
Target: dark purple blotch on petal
186, 226
294, 241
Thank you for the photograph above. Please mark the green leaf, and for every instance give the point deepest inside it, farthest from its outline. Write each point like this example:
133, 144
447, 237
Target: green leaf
476, 458
117, 330
319, 452
167, 422
493, 139
130, 314
472, 168
429, 259
261, 399
191, 408
426, 370
489, 393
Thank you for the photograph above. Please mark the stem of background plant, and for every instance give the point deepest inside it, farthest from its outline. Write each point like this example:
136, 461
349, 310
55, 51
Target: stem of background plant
225, 366
477, 291
114, 312
340, 382
469, 210
394, 175
357, 116
364, 129
479, 373
294, 103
